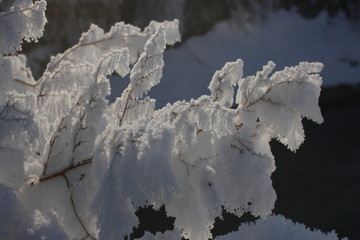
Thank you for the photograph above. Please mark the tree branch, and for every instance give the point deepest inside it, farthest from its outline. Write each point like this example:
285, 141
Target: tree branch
74, 209
61, 172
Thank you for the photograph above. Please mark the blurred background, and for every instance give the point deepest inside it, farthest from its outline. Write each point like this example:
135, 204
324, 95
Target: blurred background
319, 185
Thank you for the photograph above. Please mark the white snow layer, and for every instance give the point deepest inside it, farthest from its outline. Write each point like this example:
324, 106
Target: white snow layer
74, 162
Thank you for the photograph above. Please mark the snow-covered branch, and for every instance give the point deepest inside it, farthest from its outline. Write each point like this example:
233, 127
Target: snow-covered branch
24, 20
89, 164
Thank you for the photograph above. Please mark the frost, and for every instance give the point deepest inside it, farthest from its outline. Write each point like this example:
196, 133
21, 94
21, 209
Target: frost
71, 156
281, 100
39, 221
24, 20
223, 82
147, 71
277, 227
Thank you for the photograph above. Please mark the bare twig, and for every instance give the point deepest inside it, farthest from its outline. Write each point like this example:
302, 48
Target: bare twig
208, 158
244, 147
21, 10
62, 171
88, 235
128, 98
4, 108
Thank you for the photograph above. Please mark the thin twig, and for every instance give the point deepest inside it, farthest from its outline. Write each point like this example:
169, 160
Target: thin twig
74, 208
287, 81
22, 10
61, 172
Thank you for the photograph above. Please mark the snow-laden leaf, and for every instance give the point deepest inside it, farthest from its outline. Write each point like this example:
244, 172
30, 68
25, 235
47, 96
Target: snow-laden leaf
145, 74
25, 20
15, 76
223, 82
171, 29
94, 44
115, 61
21, 72
283, 99
147, 71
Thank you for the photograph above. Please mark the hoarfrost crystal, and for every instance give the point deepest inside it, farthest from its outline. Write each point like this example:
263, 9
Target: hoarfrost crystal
70, 155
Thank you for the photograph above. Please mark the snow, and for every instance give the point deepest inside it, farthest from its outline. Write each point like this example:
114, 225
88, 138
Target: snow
16, 27
285, 38
77, 163
279, 228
